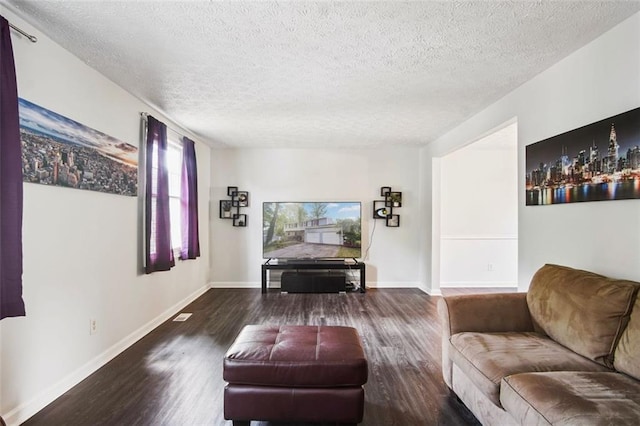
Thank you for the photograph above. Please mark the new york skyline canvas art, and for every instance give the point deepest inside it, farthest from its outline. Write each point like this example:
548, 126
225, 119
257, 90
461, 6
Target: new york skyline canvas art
596, 162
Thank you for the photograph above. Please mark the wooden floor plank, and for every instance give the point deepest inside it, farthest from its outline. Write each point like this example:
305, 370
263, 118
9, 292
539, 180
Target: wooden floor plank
173, 376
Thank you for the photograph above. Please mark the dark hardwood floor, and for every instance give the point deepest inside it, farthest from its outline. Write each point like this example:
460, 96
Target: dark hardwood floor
173, 376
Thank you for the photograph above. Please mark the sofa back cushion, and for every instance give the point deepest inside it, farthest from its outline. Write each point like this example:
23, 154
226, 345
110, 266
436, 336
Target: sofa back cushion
627, 355
581, 310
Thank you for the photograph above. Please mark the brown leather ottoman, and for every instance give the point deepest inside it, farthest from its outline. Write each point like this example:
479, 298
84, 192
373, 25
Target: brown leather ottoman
295, 374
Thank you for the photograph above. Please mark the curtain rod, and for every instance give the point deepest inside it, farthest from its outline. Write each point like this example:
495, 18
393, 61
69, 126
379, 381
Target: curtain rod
181, 133
32, 38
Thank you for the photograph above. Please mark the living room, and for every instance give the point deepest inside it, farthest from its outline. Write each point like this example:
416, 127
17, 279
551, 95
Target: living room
82, 248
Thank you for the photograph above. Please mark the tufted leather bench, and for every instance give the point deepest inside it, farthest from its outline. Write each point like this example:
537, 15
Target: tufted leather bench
295, 374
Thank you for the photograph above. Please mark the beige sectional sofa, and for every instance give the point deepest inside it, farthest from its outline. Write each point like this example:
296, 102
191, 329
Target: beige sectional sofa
567, 352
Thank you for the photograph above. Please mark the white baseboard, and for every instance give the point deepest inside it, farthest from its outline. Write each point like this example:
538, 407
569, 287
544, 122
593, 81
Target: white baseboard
393, 284
24, 411
234, 284
479, 284
378, 284
429, 291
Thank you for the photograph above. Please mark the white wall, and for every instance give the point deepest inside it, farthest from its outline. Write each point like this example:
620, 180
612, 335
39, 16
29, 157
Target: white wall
82, 248
316, 175
600, 80
479, 213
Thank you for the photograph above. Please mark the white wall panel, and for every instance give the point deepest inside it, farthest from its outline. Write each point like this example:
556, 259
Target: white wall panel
479, 261
317, 175
479, 213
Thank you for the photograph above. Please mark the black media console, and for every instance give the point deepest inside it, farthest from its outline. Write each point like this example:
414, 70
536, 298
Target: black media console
314, 276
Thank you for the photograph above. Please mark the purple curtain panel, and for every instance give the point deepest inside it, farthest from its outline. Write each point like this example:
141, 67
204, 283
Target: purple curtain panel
189, 201
11, 303
158, 250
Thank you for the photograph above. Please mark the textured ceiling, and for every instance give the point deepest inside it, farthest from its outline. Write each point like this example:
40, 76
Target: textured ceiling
321, 74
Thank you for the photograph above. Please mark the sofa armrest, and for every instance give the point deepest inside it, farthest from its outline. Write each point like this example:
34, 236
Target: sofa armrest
488, 313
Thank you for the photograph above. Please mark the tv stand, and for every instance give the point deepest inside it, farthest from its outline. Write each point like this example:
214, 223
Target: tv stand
314, 264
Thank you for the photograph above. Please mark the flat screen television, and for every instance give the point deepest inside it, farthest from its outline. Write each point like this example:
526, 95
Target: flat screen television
311, 230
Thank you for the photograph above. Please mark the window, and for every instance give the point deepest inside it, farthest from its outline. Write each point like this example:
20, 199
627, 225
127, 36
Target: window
158, 250
174, 169
171, 195
174, 166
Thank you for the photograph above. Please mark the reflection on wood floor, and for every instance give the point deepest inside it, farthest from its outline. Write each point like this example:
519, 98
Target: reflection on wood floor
173, 376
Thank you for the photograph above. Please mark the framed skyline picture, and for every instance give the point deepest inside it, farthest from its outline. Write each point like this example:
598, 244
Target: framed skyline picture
62, 152
596, 162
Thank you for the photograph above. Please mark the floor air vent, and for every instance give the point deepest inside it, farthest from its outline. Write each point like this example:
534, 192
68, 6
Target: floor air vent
182, 317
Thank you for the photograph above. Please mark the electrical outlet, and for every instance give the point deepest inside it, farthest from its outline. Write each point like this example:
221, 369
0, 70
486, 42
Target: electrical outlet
490, 267
93, 326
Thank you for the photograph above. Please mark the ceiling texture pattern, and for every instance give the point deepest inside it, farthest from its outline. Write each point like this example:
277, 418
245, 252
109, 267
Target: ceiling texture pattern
321, 74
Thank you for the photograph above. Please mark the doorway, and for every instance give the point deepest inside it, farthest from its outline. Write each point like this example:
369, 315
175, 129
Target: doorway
478, 200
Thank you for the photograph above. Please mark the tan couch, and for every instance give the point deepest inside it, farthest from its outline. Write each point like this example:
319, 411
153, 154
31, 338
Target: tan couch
567, 352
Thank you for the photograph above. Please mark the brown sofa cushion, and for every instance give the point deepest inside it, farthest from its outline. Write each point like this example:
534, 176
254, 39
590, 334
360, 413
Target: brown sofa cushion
570, 398
488, 357
583, 311
627, 355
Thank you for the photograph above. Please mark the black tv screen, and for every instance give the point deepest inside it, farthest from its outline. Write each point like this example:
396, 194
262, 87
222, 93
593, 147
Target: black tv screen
311, 230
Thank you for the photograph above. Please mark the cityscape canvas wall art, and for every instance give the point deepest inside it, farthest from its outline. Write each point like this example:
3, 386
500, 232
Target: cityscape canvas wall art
597, 162
59, 151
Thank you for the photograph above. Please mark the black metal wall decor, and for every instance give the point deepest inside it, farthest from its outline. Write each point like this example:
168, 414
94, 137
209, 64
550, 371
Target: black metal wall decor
383, 209
230, 209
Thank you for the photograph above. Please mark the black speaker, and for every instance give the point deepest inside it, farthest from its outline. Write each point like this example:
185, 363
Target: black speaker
313, 282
